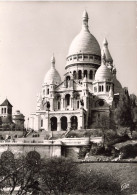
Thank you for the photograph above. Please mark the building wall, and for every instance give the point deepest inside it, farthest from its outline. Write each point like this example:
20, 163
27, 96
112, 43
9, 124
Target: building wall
22, 149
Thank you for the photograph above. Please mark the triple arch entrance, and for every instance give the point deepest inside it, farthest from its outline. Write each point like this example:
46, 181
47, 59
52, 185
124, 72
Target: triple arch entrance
64, 123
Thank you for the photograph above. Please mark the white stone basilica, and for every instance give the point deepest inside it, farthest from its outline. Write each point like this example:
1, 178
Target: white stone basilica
88, 89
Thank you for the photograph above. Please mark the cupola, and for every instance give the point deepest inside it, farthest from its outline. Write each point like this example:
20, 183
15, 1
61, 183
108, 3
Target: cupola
103, 73
52, 76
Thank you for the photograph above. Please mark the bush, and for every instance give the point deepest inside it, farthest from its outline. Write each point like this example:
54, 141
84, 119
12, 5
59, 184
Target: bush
83, 151
134, 135
94, 182
97, 149
128, 151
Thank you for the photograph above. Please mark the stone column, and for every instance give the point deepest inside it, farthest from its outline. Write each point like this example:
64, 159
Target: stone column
105, 87
81, 119
69, 124
58, 125
47, 122
97, 87
36, 123
62, 103
52, 104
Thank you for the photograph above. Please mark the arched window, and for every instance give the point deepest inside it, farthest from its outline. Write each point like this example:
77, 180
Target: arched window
91, 74
80, 57
85, 73
79, 74
59, 105
102, 88
2, 110
74, 75
48, 91
67, 99
5, 110
99, 88
90, 57
41, 122
67, 80
53, 121
74, 122
77, 104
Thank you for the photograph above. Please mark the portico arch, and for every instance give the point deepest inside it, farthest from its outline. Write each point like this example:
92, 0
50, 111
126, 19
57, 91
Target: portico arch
53, 121
74, 122
64, 124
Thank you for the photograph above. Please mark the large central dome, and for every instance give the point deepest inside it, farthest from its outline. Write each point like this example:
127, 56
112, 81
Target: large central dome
84, 42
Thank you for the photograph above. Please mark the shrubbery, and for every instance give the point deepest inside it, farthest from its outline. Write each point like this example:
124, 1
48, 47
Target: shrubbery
134, 135
53, 176
128, 151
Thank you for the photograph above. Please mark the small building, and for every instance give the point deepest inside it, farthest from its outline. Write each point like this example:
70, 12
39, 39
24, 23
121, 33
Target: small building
18, 119
6, 112
11, 122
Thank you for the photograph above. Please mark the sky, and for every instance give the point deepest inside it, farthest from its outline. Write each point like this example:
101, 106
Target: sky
30, 32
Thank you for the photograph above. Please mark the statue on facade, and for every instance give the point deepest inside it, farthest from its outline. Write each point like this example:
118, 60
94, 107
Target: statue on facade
82, 102
47, 105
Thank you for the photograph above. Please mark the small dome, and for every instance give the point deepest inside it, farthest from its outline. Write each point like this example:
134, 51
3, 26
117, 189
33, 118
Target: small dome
84, 42
52, 76
103, 73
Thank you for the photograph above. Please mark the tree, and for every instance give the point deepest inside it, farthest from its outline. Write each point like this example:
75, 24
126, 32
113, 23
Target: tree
59, 175
133, 103
125, 112
104, 125
36, 176
22, 172
122, 113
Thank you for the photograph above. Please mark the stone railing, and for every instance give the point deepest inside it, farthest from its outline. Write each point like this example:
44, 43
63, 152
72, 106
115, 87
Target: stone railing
75, 141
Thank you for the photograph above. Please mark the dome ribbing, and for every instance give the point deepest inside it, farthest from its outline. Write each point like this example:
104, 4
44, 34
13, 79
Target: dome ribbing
84, 42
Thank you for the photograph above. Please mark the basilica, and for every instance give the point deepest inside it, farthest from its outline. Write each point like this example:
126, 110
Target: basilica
87, 91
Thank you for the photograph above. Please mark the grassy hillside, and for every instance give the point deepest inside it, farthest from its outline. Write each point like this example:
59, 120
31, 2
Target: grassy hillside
125, 173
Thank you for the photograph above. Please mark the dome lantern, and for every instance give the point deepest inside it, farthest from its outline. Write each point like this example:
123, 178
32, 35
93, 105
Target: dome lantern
53, 61
85, 20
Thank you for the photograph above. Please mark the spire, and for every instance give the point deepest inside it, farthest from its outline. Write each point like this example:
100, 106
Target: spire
103, 59
53, 61
105, 43
105, 51
85, 20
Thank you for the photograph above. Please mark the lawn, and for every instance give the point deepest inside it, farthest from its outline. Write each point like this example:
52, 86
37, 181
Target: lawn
125, 173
